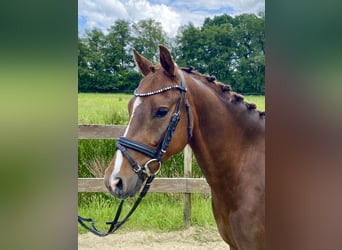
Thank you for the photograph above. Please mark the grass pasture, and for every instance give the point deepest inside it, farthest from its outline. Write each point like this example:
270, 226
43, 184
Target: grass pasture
96, 108
158, 211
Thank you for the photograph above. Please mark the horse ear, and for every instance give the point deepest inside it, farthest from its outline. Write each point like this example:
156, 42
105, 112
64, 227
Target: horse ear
166, 61
142, 63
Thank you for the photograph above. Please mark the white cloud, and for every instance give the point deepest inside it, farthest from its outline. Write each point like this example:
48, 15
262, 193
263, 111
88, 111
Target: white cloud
142, 9
101, 13
171, 14
245, 6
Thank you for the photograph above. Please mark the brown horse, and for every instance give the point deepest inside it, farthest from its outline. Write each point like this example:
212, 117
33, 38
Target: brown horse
225, 133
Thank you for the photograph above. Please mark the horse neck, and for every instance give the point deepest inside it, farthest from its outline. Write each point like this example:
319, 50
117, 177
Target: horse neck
222, 131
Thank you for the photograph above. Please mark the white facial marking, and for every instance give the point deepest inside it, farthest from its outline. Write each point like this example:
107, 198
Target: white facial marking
117, 166
119, 156
136, 103
118, 162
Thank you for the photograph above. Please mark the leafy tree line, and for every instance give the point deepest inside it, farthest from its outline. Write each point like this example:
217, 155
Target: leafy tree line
231, 48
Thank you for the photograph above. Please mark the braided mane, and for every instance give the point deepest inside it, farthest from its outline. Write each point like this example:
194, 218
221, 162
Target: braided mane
223, 90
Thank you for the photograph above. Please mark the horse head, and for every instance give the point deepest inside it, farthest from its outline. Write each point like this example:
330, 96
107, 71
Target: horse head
155, 131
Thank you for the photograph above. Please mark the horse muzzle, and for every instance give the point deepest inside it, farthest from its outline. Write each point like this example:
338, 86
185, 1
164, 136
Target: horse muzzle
123, 188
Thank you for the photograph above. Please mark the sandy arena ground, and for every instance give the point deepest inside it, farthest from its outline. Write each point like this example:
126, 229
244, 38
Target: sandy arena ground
189, 239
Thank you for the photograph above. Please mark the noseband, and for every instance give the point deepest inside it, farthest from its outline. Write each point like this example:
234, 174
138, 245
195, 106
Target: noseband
155, 155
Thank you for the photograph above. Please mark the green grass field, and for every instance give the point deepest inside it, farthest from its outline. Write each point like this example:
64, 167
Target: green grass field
103, 108
96, 154
112, 108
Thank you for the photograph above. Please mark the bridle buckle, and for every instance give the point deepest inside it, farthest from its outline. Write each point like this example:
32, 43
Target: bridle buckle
137, 169
147, 170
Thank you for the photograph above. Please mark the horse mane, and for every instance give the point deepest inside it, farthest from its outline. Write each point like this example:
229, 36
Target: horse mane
223, 90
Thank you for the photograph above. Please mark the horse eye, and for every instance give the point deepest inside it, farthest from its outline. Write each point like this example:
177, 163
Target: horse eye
161, 112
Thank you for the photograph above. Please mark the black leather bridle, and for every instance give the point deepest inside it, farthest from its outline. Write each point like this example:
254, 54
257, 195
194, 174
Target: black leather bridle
155, 155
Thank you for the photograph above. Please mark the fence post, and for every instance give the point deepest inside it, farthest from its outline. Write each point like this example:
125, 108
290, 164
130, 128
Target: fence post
187, 196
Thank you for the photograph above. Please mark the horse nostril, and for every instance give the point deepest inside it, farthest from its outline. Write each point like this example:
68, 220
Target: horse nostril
117, 185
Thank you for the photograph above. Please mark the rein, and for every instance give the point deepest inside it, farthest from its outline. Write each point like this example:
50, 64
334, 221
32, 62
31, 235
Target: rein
116, 224
155, 155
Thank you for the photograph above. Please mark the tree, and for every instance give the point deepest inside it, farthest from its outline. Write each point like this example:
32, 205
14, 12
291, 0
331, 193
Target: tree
105, 63
92, 74
249, 36
117, 45
147, 34
190, 46
116, 56
231, 48
83, 69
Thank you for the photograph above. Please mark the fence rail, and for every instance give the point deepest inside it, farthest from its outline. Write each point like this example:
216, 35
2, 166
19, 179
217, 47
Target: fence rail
185, 185
159, 185
100, 131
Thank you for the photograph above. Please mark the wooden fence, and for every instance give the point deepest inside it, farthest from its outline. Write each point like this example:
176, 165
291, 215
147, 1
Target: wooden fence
186, 185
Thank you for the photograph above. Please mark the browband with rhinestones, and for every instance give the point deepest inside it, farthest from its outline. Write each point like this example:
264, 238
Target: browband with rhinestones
159, 90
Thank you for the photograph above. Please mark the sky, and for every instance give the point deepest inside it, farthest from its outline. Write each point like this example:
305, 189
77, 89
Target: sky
170, 13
